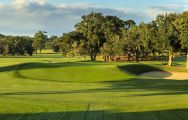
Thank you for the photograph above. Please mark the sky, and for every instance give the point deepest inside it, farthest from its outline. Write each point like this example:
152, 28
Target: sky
26, 17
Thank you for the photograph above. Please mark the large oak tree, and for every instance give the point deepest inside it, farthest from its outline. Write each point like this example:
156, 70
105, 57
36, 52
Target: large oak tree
181, 24
92, 29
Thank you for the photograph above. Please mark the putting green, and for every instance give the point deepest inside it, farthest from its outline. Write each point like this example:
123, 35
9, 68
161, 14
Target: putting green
71, 72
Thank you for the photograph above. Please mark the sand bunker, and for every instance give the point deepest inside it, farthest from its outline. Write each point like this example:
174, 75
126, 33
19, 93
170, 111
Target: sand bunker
167, 75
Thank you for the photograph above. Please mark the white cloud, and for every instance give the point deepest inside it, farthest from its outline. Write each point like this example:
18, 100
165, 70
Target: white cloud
20, 3
81, 5
1, 5
28, 16
170, 8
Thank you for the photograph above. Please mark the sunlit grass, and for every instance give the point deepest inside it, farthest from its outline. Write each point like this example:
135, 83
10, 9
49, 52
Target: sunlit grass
72, 89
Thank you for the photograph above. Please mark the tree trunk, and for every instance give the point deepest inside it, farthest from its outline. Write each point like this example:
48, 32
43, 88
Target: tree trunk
40, 51
170, 58
142, 57
62, 53
111, 58
187, 58
93, 56
36, 51
104, 58
153, 53
128, 57
136, 57
107, 58
67, 55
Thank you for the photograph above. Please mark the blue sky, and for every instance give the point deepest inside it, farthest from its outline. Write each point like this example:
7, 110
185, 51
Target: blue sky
25, 17
118, 3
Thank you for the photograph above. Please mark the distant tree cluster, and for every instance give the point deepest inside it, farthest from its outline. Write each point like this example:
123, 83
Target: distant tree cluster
22, 45
110, 37
16, 45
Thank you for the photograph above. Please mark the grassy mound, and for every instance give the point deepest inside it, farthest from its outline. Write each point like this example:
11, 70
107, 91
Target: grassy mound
81, 72
71, 72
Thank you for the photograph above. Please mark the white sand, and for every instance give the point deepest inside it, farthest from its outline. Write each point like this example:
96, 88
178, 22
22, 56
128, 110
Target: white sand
167, 75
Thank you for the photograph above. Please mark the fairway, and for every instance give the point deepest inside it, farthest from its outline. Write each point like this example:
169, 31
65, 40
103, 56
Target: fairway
34, 89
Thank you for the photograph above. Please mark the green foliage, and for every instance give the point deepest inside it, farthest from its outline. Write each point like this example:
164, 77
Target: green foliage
92, 29
181, 24
39, 40
16, 45
129, 24
69, 43
167, 32
168, 35
54, 44
113, 35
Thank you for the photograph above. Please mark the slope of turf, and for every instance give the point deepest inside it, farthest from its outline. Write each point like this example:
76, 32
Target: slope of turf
87, 91
72, 72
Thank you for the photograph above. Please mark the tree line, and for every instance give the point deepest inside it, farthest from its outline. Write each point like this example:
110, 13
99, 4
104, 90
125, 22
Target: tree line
111, 37
16, 45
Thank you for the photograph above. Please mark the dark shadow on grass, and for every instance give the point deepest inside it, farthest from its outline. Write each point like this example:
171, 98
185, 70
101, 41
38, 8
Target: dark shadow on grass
144, 70
159, 87
36, 65
138, 69
40, 56
175, 114
159, 94
43, 93
90, 61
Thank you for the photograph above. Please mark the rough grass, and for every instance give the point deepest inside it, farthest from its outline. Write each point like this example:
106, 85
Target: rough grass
34, 89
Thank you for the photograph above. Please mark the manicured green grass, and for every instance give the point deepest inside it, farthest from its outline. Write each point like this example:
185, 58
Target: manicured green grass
46, 51
54, 88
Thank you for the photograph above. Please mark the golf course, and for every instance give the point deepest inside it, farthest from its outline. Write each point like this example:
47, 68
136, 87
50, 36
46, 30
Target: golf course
50, 87
94, 60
